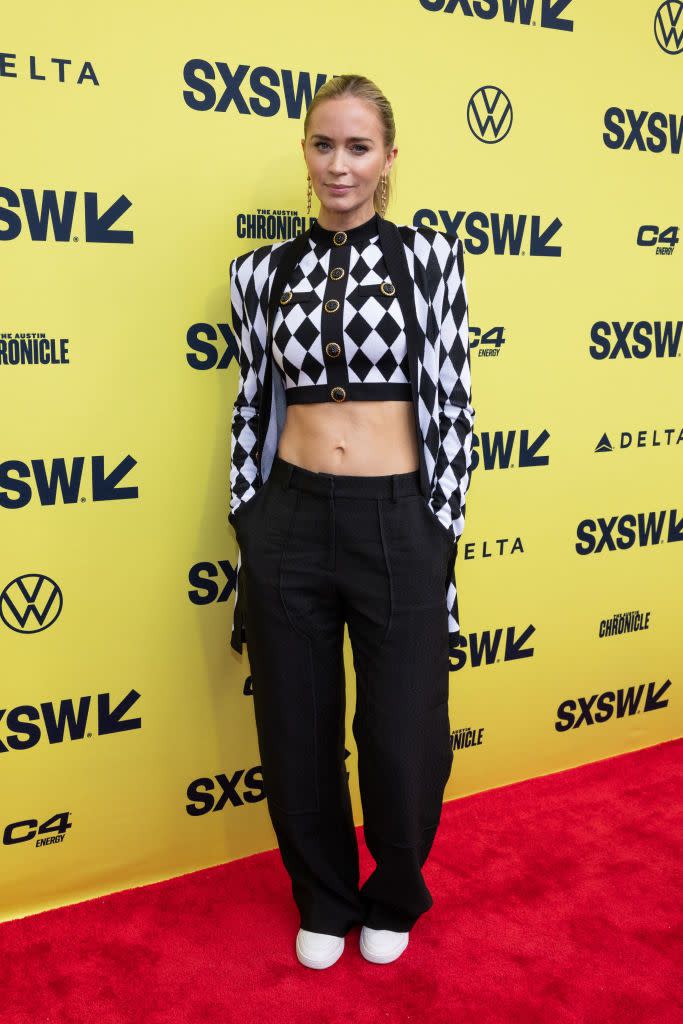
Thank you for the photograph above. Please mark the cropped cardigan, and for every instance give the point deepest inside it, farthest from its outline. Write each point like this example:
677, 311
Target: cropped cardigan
424, 273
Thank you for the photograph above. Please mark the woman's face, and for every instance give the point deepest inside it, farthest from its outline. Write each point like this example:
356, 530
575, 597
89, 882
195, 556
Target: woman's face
344, 147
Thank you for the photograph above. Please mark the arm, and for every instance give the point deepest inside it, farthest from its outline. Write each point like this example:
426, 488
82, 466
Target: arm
456, 422
243, 465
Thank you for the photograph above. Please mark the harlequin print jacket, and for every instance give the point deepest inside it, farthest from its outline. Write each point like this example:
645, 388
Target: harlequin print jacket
423, 270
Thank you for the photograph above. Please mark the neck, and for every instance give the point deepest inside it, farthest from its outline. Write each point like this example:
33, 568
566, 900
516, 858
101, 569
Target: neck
344, 220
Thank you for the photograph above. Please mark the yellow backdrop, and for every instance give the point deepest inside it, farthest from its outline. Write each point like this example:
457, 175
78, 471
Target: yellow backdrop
141, 153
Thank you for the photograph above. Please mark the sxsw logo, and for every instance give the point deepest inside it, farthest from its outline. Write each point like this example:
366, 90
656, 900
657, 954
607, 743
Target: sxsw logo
500, 233
543, 13
44, 215
636, 339
261, 91
47, 481
23, 727
647, 131
212, 793
601, 707
507, 643
632, 529
510, 448
208, 585
211, 347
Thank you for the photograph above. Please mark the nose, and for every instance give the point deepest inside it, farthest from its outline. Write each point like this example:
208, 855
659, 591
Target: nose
338, 164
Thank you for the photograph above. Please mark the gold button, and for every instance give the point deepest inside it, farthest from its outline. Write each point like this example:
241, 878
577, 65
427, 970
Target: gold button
387, 288
285, 298
339, 237
338, 394
336, 273
332, 305
332, 349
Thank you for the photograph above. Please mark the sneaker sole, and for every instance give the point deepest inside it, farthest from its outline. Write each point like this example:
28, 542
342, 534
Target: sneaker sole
378, 958
318, 965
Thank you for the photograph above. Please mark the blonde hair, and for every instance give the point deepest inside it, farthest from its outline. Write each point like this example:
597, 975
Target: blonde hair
364, 89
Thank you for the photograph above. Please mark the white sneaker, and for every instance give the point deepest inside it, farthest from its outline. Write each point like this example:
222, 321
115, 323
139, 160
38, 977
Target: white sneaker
317, 950
380, 945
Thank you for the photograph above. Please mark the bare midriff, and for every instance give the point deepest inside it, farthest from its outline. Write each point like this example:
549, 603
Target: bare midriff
351, 438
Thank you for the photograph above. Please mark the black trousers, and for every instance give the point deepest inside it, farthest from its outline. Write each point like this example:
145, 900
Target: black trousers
319, 551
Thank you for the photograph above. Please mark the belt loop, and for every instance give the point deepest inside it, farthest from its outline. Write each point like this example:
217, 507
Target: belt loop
394, 488
290, 470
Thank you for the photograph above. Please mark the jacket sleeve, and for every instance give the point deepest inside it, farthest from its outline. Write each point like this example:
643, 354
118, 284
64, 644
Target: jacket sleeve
244, 437
456, 413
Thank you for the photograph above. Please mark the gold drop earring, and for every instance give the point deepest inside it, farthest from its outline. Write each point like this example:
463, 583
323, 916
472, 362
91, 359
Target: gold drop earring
383, 200
308, 196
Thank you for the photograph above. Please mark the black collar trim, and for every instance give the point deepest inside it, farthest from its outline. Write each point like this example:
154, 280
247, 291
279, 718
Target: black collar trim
360, 233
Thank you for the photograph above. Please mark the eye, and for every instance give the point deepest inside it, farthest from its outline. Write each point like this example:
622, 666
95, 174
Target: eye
357, 146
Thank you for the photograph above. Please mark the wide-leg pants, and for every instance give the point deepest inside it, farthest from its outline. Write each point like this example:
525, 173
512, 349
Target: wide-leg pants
319, 551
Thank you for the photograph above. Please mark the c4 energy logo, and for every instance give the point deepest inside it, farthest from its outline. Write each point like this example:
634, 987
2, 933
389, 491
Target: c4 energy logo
537, 13
600, 707
661, 240
50, 831
45, 216
640, 339
669, 26
30, 603
50, 482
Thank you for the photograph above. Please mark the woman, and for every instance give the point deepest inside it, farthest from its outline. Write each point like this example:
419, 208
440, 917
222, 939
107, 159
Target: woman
351, 454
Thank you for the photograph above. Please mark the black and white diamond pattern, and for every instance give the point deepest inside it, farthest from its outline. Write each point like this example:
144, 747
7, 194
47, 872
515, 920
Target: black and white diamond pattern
374, 345
373, 338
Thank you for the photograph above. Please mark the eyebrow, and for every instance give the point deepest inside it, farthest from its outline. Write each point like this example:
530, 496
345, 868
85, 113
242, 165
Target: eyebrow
351, 138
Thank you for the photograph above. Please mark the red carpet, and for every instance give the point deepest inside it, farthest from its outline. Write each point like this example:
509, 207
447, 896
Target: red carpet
556, 900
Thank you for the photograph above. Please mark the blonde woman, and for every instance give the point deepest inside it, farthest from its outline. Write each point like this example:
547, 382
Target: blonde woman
350, 460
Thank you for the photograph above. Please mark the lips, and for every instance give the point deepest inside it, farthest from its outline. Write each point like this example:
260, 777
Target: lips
339, 188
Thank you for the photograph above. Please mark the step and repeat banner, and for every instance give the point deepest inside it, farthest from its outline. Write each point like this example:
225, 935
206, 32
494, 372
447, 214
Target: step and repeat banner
142, 152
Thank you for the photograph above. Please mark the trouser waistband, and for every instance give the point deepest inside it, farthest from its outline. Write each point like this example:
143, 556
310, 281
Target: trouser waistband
391, 485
